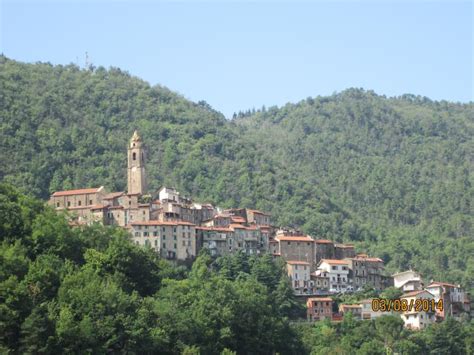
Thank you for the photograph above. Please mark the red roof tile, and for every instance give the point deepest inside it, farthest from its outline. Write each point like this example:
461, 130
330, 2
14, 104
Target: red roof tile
297, 262
160, 223
77, 192
436, 283
323, 241
413, 293
294, 239
113, 195
334, 261
320, 299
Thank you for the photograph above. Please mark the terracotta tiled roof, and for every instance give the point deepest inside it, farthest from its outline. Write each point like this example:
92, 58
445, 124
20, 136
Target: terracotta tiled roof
113, 195
323, 241
320, 299
366, 258
413, 293
258, 212
334, 261
297, 262
215, 229
237, 219
299, 238
436, 283
77, 192
98, 207
160, 223
115, 207
349, 246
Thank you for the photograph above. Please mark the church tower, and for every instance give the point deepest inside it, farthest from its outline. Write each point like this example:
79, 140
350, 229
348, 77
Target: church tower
136, 166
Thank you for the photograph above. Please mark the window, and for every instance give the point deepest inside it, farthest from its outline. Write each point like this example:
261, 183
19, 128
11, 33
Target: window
184, 243
296, 267
129, 203
175, 245
57, 204
69, 203
334, 267
90, 202
288, 243
304, 267
163, 229
156, 243
344, 268
137, 234
184, 235
134, 156
145, 234
144, 212
174, 237
164, 245
174, 229
155, 234
164, 237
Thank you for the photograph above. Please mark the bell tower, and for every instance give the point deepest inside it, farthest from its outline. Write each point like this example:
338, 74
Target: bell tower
136, 166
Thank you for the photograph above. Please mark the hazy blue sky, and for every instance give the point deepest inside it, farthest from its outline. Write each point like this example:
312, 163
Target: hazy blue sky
239, 55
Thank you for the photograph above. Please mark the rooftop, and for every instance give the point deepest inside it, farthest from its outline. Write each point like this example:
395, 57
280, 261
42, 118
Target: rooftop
77, 192
160, 223
300, 238
334, 262
320, 299
297, 262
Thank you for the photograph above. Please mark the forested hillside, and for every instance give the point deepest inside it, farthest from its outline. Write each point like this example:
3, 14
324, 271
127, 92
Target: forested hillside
393, 175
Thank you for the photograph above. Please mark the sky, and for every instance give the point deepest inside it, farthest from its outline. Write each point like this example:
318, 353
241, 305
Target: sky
242, 55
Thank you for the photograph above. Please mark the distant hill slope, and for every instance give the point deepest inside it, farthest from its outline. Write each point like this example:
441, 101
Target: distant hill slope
392, 175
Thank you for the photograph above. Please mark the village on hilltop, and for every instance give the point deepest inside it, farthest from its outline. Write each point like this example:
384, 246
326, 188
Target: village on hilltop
319, 269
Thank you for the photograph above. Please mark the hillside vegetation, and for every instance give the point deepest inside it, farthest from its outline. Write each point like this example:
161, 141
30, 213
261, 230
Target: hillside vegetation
393, 175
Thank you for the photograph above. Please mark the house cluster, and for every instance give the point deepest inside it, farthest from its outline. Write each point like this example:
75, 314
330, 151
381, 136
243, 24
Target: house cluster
173, 225
425, 304
177, 228
320, 266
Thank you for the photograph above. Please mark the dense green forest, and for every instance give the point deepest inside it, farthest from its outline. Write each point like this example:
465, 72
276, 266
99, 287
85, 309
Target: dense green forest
89, 290
392, 175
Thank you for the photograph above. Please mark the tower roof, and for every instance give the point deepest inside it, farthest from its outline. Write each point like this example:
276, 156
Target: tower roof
136, 137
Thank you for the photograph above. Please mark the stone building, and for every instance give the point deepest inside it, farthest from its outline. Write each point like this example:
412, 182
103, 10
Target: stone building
417, 318
342, 251
367, 271
408, 281
299, 274
319, 308
324, 249
299, 248
338, 273
172, 240
455, 300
